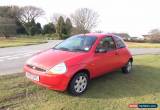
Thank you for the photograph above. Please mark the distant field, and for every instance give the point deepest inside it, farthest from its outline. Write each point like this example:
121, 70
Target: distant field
28, 40
109, 92
143, 45
21, 41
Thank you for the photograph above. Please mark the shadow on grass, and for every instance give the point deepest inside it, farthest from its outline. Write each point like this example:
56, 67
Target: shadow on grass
141, 81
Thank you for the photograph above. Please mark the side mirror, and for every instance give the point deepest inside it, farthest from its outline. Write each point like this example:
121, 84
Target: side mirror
101, 50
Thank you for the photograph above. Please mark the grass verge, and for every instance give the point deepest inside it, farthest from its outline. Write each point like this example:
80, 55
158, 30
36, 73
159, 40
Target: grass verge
28, 40
143, 45
21, 41
110, 92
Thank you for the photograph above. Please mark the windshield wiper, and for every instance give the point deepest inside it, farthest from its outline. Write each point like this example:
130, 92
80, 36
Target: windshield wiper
78, 49
62, 48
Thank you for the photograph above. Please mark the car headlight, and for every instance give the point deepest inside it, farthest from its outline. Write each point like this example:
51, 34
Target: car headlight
59, 69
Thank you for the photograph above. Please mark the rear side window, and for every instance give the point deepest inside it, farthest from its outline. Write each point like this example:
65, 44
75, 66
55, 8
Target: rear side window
119, 42
107, 43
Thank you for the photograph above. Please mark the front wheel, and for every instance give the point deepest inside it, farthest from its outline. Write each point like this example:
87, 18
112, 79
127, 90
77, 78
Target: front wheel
78, 84
127, 68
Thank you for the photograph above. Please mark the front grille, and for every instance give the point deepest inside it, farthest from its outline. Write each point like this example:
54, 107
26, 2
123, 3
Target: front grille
36, 68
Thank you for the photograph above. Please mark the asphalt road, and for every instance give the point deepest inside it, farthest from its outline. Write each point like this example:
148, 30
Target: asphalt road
12, 59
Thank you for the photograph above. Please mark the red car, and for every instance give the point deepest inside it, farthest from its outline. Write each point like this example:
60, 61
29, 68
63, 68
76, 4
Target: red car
72, 63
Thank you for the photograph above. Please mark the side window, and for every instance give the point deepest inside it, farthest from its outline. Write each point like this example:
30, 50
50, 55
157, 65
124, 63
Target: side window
107, 43
119, 42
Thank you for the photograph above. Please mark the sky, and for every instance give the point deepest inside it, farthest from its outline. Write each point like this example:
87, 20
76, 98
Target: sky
136, 17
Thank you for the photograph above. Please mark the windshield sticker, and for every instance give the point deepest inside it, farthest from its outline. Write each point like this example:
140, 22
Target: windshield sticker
86, 48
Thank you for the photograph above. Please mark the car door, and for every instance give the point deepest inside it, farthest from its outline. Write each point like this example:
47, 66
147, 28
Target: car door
122, 50
105, 61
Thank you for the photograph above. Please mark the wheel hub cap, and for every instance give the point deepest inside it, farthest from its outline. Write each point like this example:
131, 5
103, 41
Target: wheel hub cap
129, 66
80, 84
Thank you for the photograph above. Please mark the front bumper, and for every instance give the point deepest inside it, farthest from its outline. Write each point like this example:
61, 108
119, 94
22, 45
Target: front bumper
50, 81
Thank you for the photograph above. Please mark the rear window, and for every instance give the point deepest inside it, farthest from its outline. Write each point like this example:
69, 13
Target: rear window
119, 42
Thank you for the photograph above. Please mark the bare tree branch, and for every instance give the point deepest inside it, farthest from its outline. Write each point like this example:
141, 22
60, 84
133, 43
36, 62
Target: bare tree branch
28, 13
85, 19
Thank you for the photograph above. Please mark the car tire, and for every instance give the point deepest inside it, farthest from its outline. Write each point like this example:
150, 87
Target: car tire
78, 84
127, 68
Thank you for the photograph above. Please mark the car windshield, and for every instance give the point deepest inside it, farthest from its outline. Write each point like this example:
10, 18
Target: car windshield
77, 43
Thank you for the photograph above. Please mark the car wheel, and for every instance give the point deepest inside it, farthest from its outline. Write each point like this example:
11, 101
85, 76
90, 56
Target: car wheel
78, 84
127, 68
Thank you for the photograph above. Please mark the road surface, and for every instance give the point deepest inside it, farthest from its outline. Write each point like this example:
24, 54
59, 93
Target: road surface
12, 59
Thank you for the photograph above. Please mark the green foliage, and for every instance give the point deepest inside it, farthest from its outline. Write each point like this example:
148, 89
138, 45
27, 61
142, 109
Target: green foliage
63, 29
68, 27
49, 28
20, 28
60, 27
12, 22
38, 28
33, 28
65, 36
7, 27
8, 20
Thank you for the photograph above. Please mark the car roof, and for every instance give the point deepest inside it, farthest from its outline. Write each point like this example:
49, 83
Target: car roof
99, 35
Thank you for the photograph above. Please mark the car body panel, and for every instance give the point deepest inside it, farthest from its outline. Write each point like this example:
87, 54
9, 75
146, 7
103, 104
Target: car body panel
96, 64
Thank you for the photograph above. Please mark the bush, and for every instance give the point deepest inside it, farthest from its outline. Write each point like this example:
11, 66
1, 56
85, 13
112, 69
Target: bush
64, 36
55, 36
51, 36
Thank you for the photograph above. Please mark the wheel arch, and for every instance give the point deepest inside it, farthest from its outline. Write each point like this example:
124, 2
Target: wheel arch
131, 59
81, 70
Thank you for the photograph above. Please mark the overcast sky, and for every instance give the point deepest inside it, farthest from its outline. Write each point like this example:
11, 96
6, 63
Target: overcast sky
132, 16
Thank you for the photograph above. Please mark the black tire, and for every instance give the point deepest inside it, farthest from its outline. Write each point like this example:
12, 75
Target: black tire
127, 68
75, 85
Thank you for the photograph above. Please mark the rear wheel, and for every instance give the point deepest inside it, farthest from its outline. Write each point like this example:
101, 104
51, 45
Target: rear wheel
127, 68
78, 84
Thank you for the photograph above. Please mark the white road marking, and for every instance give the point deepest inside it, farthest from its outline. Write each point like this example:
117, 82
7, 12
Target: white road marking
12, 58
1, 60
21, 54
27, 55
16, 56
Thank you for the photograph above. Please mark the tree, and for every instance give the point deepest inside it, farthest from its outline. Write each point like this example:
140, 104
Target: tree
20, 28
29, 13
154, 35
33, 28
49, 28
7, 27
38, 28
56, 16
68, 26
8, 17
85, 19
60, 26
154, 31
15, 20
99, 31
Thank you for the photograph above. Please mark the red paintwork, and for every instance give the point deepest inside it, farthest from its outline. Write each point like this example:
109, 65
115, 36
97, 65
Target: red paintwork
96, 63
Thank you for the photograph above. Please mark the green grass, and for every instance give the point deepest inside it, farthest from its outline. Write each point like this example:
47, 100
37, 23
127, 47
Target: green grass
143, 45
109, 92
21, 41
